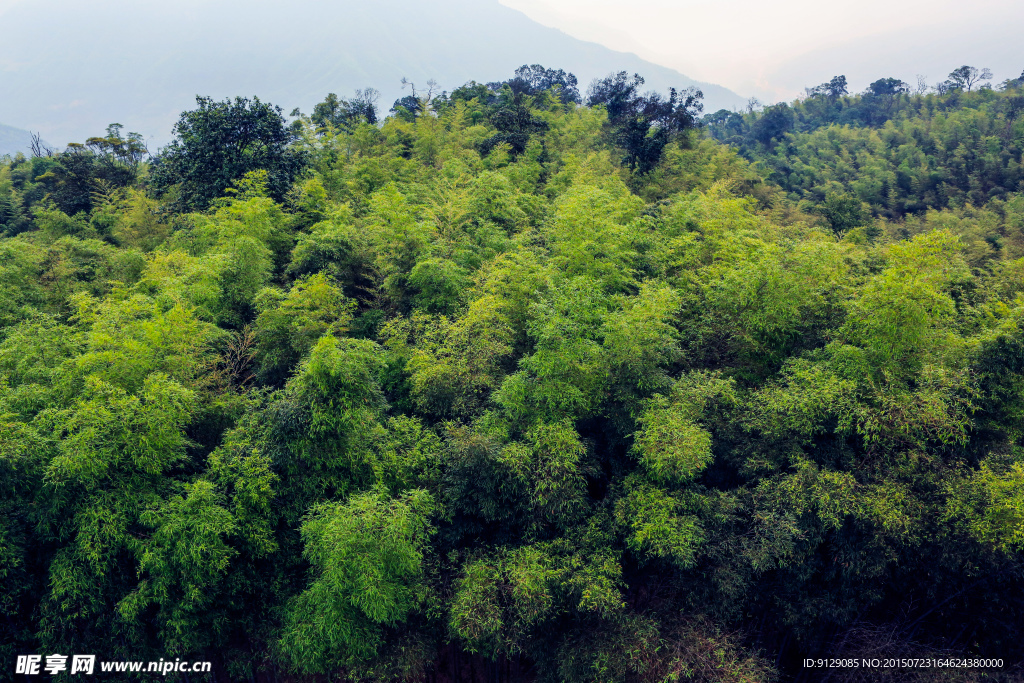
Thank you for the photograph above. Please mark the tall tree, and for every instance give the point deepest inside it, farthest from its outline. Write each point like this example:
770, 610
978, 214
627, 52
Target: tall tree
645, 124
774, 122
343, 114
832, 90
966, 77
535, 79
219, 142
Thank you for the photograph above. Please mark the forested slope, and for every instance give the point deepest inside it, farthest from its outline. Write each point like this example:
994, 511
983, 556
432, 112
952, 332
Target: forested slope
512, 385
946, 157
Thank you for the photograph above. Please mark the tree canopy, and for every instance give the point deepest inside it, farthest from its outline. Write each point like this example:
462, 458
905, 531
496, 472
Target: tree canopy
219, 142
509, 387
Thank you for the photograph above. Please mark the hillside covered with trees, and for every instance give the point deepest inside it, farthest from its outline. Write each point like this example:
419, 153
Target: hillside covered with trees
521, 383
944, 156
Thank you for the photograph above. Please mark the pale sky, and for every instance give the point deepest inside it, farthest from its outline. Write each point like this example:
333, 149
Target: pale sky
771, 48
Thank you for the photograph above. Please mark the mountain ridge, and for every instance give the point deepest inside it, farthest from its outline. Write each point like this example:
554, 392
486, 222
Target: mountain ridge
291, 57
14, 140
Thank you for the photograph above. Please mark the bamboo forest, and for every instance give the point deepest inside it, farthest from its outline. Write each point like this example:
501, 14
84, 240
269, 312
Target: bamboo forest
522, 381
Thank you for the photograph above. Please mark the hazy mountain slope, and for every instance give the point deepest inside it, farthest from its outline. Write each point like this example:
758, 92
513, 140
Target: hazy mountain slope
932, 51
70, 68
14, 140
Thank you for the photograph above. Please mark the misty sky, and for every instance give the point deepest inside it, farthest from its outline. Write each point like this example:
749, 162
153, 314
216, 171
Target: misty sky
775, 49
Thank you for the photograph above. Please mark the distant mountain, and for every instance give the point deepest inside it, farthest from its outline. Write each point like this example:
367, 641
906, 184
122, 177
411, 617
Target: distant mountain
13, 140
68, 68
932, 51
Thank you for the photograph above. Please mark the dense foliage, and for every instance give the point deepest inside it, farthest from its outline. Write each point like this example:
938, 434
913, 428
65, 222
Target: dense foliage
899, 152
509, 387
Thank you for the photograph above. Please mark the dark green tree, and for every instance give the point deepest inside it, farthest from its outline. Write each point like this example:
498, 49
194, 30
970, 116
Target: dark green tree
515, 122
343, 114
774, 122
843, 212
888, 86
966, 77
535, 79
645, 124
881, 98
832, 90
83, 173
218, 143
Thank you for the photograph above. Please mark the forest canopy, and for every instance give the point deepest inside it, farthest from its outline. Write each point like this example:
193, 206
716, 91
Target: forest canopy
522, 383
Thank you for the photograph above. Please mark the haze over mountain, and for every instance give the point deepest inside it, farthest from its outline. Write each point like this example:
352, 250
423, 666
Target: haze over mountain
775, 50
69, 68
929, 51
14, 140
